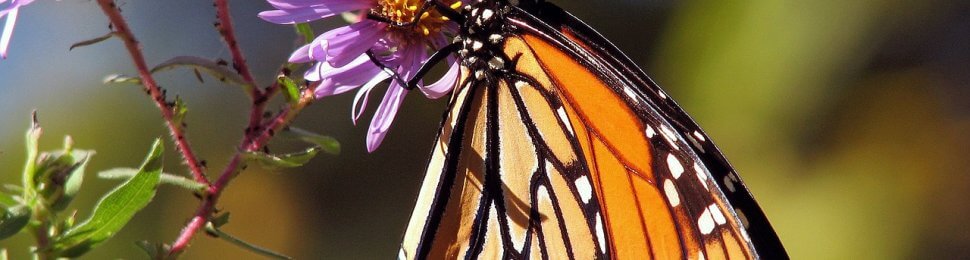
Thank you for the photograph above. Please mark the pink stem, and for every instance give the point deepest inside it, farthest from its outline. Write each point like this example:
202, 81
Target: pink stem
257, 134
178, 136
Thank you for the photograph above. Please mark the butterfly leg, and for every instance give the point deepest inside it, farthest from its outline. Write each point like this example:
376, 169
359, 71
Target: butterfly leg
413, 83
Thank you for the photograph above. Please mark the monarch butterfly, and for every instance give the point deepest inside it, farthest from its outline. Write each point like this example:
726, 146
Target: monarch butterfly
556, 145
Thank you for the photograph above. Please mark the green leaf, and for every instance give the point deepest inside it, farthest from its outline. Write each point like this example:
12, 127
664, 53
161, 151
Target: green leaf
127, 173
290, 90
214, 68
33, 138
13, 220
121, 79
211, 229
74, 179
58, 175
115, 209
92, 41
329, 144
289, 160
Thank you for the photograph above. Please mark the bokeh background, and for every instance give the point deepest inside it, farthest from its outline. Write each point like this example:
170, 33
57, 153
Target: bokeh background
847, 119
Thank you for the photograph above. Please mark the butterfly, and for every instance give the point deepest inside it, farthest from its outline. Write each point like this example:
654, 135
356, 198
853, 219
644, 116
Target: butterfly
555, 145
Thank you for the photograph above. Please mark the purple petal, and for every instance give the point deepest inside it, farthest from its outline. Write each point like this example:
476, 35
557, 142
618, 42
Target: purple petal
294, 4
318, 51
314, 72
301, 11
301, 55
413, 57
360, 100
8, 30
385, 116
444, 85
343, 79
343, 48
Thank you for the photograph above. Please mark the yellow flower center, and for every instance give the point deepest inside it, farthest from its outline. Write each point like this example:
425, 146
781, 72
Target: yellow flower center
404, 11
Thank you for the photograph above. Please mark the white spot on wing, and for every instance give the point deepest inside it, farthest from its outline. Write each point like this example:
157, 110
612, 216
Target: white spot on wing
600, 235
487, 14
674, 165
729, 184
565, 120
650, 132
662, 94
401, 255
701, 175
700, 255
744, 219
693, 141
700, 136
671, 192
744, 235
495, 38
705, 223
629, 92
716, 213
670, 136
585, 190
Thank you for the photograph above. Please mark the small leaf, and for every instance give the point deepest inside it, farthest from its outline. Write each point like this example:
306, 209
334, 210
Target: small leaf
179, 110
121, 79
69, 221
127, 173
220, 220
211, 229
290, 90
58, 175
289, 160
13, 220
75, 177
329, 144
115, 209
30, 171
92, 41
213, 68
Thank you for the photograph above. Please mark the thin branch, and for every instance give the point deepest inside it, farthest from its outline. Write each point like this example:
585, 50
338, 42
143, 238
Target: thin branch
257, 134
121, 28
225, 28
259, 98
252, 142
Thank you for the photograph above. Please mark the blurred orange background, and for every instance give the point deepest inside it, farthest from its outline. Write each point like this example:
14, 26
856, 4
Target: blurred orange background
847, 119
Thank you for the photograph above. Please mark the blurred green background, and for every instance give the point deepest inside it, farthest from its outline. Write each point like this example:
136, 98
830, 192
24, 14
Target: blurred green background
847, 119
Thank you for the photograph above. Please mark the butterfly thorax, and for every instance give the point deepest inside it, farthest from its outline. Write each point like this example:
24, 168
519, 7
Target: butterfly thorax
482, 35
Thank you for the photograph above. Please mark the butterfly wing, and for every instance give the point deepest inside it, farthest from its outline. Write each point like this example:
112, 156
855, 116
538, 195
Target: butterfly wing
565, 149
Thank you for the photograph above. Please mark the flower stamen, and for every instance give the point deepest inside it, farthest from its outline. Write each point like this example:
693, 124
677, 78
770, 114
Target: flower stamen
404, 12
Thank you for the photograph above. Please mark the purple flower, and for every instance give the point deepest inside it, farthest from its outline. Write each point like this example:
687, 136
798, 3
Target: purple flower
340, 55
10, 11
